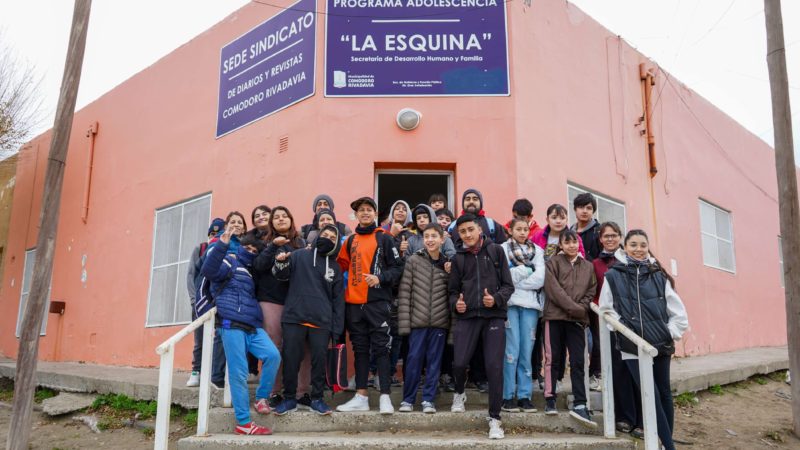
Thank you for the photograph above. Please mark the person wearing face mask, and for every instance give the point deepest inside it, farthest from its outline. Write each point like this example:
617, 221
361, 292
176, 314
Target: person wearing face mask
313, 314
239, 323
282, 237
641, 295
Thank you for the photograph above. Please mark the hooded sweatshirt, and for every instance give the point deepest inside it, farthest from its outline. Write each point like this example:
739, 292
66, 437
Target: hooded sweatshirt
590, 236
416, 241
550, 250
316, 286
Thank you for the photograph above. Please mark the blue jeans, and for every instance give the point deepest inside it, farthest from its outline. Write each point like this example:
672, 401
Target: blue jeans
217, 358
520, 336
237, 344
423, 344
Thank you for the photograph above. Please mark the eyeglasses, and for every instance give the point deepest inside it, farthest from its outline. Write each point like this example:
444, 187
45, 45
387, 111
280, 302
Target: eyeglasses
610, 236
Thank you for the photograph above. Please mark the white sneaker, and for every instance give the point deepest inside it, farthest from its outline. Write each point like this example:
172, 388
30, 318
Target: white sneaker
495, 429
405, 407
428, 408
386, 406
458, 402
357, 403
194, 379
595, 384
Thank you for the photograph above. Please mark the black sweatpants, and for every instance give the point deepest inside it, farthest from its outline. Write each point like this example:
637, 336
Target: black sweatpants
665, 410
368, 325
560, 335
295, 337
492, 332
627, 399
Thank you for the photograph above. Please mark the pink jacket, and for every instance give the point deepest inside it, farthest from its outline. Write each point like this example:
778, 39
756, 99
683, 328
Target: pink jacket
540, 239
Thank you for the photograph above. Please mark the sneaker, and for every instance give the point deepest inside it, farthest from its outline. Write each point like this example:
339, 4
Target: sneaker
405, 407
526, 406
428, 408
495, 429
262, 406
304, 403
550, 407
450, 386
595, 384
386, 406
275, 400
286, 406
320, 407
194, 379
357, 403
397, 383
458, 402
583, 415
253, 378
638, 433
624, 427
483, 386
252, 429
509, 406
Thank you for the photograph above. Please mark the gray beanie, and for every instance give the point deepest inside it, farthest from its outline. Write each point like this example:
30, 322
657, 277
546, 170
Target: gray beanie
471, 191
321, 197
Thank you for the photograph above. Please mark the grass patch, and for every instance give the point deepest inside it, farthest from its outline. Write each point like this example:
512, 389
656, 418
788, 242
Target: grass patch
6, 389
774, 435
778, 376
761, 380
685, 399
190, 418
43, 394
716, 389
149, 432
120, 403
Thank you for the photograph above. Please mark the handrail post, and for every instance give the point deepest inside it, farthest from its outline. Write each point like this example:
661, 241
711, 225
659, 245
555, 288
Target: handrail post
648, 400
164, 399
226, 393
609, 426
587, 356
205, 376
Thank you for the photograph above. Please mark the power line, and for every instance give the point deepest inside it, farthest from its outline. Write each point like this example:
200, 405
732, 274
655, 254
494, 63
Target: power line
724, 13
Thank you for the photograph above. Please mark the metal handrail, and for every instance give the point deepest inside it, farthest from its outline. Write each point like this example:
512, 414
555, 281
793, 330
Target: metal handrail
167, 352
646, 354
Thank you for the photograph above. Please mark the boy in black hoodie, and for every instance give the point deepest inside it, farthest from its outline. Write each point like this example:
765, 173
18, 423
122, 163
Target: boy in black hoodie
313, 314
479, 288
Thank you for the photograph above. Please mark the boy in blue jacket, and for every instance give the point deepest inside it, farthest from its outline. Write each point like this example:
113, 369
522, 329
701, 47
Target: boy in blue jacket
313, 314
239, 324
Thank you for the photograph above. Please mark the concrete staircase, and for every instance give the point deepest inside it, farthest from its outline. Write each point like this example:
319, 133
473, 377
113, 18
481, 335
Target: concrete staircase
371, 430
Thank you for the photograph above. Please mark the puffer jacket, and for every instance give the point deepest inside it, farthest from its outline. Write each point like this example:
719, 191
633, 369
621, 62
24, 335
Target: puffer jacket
528, 284
232, 285
422, 299
569, 288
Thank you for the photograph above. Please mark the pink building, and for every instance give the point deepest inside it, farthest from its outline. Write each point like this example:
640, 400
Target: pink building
573, 121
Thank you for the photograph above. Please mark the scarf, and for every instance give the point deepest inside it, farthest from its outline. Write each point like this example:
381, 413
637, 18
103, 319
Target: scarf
475, 249
522, 255
637, 262
369, 229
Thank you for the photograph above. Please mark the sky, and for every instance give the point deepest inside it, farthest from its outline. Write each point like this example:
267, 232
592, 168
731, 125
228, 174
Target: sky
716, 47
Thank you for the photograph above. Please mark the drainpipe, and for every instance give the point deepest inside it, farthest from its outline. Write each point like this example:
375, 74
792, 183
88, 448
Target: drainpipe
648, 81
90, 133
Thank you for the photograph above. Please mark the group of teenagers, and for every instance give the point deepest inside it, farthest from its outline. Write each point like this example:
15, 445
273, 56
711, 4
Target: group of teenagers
457, 298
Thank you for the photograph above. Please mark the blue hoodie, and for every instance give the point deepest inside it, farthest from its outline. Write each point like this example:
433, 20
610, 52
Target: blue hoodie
230, 272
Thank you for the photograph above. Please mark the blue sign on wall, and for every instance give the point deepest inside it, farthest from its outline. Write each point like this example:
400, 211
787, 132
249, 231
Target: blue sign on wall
416, 48
268, 68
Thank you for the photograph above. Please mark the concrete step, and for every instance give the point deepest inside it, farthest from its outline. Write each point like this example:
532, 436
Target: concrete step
222, 420
445, 399
402, 440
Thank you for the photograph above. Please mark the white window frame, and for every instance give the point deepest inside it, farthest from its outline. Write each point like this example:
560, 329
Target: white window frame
179, 287
598, 195
31, 253
780, 261
702, 201
450, 184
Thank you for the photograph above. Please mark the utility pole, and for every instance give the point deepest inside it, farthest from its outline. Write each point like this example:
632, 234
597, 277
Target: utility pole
787, 191
25, 380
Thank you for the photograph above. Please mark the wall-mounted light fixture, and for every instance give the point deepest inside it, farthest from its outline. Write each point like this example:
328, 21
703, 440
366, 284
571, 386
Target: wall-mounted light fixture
408, 119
